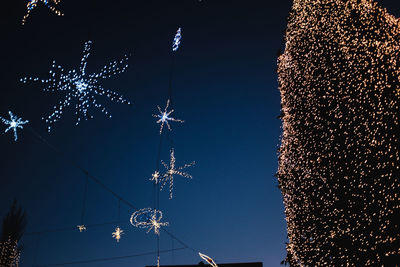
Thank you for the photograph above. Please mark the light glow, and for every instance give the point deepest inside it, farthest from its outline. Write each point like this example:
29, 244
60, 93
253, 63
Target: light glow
177, 40
149, 219
164, 117
33, 4
208, 260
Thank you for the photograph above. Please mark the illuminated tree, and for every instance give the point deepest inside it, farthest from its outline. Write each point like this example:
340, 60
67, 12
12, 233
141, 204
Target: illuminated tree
13, 227
339, 160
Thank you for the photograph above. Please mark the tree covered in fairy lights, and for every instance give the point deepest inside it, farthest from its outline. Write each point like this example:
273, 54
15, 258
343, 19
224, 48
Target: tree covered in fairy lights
339, 160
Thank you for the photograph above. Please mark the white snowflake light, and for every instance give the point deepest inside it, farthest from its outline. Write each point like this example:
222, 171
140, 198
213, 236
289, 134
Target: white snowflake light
155, 177
118, 233
33, 4
208, 260
81, 87
177, 40
172, 170
148, 218
164, 117
14, 123
81, 228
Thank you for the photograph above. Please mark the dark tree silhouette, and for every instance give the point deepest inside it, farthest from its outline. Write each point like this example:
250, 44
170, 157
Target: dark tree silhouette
339, 161
13, 227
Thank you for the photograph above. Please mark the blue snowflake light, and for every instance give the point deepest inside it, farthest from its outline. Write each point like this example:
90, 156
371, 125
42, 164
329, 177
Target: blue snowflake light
14, 123
81, 87
33, 4
164, 117
149, 219
177, 40
172, 170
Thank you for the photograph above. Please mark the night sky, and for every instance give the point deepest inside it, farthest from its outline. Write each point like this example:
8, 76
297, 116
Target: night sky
224, 87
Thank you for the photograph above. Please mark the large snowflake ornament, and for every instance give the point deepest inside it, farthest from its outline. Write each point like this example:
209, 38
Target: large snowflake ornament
164, 117
172, 170
149, 219
33, 4
81, 87
177, 40
13, 123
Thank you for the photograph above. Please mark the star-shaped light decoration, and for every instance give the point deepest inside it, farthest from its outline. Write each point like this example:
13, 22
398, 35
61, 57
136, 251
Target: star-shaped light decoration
14, 123
33, 4
118, 233
164, 117
208, 260
81, 228
81, 89
172, 170
148, 218
177, 40
155, 177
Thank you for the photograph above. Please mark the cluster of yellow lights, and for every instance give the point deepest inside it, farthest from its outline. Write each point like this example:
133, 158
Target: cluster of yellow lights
32, 4
339, 160
9, 254
118, 233
81, 228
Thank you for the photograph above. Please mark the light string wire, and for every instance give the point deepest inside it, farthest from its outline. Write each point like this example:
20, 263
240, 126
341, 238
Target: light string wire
108, 259
100, 183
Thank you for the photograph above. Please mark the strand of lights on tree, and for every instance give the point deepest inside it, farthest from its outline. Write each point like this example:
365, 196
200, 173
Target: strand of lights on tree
9, 254
14, 124
177, 40
339, 162
172, 170
208, 260
149, 219
81, 87
164, 117
81, 228
118, 233
32, 4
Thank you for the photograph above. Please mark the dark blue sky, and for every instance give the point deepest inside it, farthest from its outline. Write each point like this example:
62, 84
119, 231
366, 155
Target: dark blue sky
224, 87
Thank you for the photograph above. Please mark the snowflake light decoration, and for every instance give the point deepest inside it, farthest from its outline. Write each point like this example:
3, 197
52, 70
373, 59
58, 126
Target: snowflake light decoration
82, 87
14, 123
164, 117
155, 177
148, 218
81, 228
172, 170
208, 260
33, 4
177, 40
118, 233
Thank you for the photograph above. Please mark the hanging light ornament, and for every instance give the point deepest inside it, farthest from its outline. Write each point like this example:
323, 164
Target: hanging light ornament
148, 218
82, 87
81, 228
164, 117
171, 170
118, 233
177, 40
14, 123
33, 4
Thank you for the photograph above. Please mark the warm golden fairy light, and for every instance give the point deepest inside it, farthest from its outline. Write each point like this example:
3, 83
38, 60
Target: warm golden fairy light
81, 228
118, 233
9, 254
339, 160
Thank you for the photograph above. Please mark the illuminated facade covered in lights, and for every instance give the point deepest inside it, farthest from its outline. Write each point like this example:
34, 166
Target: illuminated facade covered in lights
339, 160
